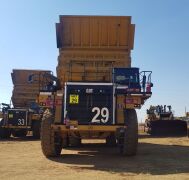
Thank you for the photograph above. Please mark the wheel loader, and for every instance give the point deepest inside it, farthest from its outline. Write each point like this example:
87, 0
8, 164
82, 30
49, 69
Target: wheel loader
99, 90
161, 122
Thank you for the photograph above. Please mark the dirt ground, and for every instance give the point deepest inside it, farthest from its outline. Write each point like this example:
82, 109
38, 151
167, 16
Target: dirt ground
165, 158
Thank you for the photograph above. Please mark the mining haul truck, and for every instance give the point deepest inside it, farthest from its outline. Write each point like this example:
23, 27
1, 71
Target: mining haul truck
99, 90
25, 115
161, 121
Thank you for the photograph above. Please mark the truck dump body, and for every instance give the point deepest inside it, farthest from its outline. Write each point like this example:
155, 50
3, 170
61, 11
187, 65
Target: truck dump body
25, 92
90, 46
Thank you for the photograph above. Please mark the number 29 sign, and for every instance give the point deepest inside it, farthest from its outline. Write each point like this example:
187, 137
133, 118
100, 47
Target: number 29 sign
101, 115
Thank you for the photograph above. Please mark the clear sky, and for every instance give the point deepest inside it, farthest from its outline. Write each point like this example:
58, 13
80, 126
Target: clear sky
27, 40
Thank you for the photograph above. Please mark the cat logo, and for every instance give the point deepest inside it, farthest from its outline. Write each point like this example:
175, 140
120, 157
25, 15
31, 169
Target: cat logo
74, 99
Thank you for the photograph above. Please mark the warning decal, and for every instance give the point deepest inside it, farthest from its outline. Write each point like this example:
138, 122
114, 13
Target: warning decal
74, 99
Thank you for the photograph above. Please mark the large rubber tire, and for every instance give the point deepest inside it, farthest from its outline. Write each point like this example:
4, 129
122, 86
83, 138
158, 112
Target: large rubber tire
4, 132
74, 142
36, 128
50, 143
111, 140
19, 132
130, 139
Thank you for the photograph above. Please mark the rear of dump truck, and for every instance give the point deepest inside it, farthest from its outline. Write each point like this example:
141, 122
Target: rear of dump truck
24, 116
99, 90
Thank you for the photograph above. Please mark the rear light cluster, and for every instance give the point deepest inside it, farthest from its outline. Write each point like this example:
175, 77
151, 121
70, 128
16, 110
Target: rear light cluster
137, 105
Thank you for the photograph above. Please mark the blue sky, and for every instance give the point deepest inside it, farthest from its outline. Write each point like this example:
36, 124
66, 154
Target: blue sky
27, 40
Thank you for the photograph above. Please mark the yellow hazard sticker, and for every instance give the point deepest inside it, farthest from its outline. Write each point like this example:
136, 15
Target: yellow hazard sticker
74, 99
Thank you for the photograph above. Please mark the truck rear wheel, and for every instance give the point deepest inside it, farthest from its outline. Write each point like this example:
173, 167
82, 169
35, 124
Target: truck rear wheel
19, 132
51, 143
36, 128
129, 138
4, 132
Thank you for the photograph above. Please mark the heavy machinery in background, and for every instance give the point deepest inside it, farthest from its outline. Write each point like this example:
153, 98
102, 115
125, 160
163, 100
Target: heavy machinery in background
18, 121
188, 128
25, 91
25, 115
99, 90
187, 119
161, 121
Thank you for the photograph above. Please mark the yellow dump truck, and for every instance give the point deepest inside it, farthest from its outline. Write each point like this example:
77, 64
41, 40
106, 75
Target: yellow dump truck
99, 90
24, 91
25, 115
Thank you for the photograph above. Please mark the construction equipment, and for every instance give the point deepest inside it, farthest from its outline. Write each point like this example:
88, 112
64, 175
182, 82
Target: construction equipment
25, 115
99, 91
161, 121
18, 121
24, 91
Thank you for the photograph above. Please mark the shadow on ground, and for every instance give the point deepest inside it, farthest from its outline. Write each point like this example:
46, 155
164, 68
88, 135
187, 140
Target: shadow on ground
151, 159
143, 136
26, 138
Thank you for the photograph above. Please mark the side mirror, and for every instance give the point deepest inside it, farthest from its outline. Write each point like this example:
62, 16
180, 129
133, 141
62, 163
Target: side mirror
151, 84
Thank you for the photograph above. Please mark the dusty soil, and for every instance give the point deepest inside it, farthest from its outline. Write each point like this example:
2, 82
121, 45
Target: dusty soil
165, 158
